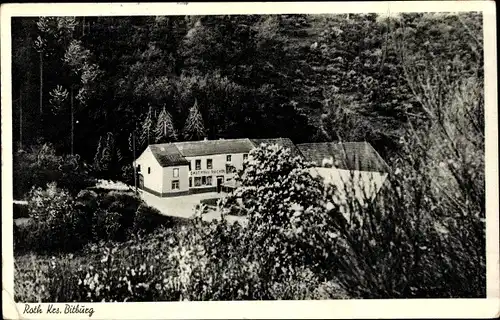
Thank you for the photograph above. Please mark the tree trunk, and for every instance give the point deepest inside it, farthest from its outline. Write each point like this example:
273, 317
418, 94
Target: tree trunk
72, 121
133, 163
20, 119
41, 83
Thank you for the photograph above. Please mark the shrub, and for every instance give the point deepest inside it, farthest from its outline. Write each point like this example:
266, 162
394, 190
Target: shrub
125, 204
147, 219
127, 174
56, 223
425, 236
286, 213
107, 226
40, 165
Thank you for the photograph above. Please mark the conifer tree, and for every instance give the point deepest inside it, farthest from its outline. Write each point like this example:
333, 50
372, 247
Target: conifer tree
107, 156
145, 135
165, 130
194, 127
98, 153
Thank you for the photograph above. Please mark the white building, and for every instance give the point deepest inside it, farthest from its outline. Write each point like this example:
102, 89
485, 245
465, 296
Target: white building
181, 168
354, 168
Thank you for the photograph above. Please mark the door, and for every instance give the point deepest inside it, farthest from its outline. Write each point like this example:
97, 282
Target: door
220, 181
141, 181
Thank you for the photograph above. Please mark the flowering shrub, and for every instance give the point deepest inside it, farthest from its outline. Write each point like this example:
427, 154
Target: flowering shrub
56, 224
286, 209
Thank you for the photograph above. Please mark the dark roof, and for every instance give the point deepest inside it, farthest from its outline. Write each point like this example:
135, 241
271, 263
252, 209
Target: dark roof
282, 142
168, 155
209, 147
360, 156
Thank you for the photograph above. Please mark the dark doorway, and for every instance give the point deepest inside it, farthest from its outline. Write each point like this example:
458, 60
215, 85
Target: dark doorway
220, 181
141, 181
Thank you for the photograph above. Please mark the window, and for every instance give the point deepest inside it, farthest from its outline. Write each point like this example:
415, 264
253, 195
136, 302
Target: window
230, 168
149, 170
175, 185
197, 164
209, 180
203, 181
176, 173
190, 182
228, 158
197, 181
209, 163
245, 156
189, 165
139, 168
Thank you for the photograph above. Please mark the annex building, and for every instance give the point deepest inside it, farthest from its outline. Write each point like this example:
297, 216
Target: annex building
180, 168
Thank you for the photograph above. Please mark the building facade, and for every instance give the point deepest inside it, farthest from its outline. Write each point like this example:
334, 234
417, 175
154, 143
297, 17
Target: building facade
181, 168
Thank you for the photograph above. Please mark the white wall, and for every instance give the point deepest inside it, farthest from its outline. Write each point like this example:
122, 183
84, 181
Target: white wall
360, 184
168, 177
154, 180
218, 166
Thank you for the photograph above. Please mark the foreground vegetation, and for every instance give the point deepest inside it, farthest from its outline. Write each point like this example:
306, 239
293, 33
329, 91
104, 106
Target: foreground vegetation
296, 244
423, 236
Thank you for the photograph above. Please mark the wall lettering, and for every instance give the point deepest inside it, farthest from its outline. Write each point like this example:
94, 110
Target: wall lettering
207, 172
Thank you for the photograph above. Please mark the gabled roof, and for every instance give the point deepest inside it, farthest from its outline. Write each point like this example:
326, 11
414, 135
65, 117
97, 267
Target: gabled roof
209, 147
168, 155
360, 156
282, 142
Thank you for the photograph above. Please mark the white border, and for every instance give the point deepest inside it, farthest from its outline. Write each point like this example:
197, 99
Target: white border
418, 308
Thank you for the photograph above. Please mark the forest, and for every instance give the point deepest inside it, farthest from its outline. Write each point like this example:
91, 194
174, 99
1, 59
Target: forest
87, 90
84, 84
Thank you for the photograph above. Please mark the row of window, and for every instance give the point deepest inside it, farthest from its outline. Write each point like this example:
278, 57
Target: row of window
209, 163
200, 181
197, 164
229, 168
139, 169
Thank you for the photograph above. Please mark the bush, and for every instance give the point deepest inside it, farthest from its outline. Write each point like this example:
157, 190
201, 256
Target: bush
40, 165
107, 226
147, 219
127, 174
56, 223
125, 204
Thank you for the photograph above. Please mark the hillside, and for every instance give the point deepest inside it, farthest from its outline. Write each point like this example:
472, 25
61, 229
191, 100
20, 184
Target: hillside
78, 81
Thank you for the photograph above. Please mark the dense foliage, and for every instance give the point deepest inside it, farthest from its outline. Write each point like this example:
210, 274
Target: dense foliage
59, 221
39, 165
307, 77
412, 83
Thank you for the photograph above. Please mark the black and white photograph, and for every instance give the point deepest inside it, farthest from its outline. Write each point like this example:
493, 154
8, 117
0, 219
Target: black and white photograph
247, 157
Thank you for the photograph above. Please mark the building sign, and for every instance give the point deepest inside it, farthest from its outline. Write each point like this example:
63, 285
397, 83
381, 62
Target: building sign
207, 172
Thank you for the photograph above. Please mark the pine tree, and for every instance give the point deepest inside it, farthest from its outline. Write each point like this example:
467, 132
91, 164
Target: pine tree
131, 142
145, 135
107, 157
194, 127
165, 130
98, 153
